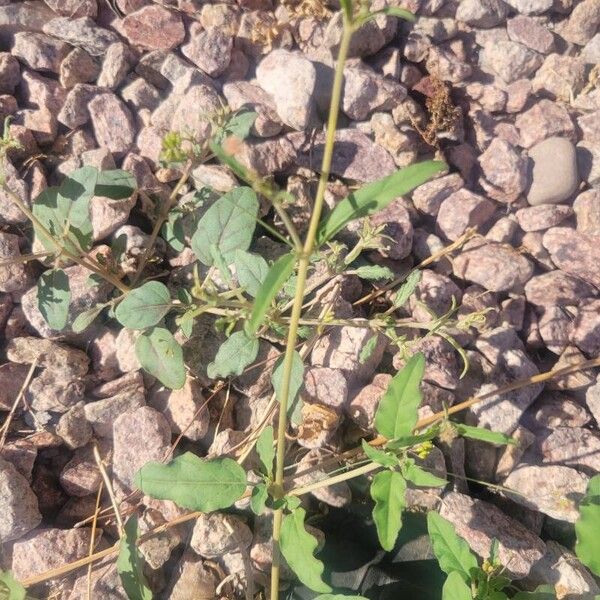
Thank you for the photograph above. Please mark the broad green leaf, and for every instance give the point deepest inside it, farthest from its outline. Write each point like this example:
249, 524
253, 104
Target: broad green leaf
258, 500
173, 233
542, 592
54, 297
373, 272
375, 196
10, 588
228, 224
278, 274
294, 403
587, 527
484, 435
144, 306
413, 440
115, 184
452, 552
130, 564
239, 125
455, 588
420, 477
234, 355
194, 483
367, 350
161, 355
78, 187
339, 597
378, 456
396, 414
391, 11
251, 271
388, 490
265, 450
407, 289
297, 547
86, 318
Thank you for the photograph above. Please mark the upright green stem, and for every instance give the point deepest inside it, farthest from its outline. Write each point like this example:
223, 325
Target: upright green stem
303, 264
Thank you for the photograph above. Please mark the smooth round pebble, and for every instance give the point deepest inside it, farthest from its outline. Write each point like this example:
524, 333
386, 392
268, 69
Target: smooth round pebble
554, 173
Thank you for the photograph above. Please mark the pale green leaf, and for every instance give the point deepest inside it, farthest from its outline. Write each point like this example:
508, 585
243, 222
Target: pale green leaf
294, 402
265, 450
144, 306
54, 297
115, 184
10, 588
375, 196
251, 271
239, 125
407, 289
298, 547
258, 499
194, 483
228, 224
373, 272
278, 274
86, 318
587, 527
542, 592
378, 456
367, 350
455, 588
130, 564
173, 233
484, 435
420, 477
161, 355
234, 355
388, 490
397, 414
391, 11
452, 552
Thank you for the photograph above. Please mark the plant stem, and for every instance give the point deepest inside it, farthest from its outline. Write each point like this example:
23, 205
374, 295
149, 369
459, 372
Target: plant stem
303, 264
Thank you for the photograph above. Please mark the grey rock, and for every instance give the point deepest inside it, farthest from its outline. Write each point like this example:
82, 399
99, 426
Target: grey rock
10, 73
588, 158
496, 267
81, 476
576, 253
553, 410
78, 67
582, 23
325, 386
9, 211
509, 60
505, 173
362, 407
557, 288
544, 216
586, 328
561, 77
531, 33
574, 447
117, 62
20, 512
14, 276
103, 413
429, 197
554, 490
38, 51
592, 400
209, 50
290, 78
482, 13
74, 428
531, 7
543, 120
555, 326
112, 122
461, 210
54, 390
217, 534
139, 437
192, 579
82, 32
591, 51
510, 456
154, 27
74, 111
479, 523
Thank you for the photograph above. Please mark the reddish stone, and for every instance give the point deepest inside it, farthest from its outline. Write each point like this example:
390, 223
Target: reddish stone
154, 27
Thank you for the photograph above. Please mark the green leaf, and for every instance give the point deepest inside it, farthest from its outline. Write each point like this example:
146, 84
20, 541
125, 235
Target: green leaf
297, 547
413, 440
278, 274
587, 527
420, 477
294, 403
339, 597
221, 265
10, 588
234, 355
452, 552
115, 184
86, 318
258, 500
484, 435
375, 196
388, 491
194, 483
144, 306
161, 355
251, 271
228, 224
391, 11
78, 187
173, 233
378, 456
542, 592
239, 125
407, 289
373, 272
130, 564
54, 297
396, 414
455, 588
347, 8
367, 350
265, 450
